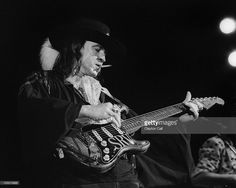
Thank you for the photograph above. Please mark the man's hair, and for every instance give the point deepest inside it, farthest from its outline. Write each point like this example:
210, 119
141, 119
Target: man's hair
68, 60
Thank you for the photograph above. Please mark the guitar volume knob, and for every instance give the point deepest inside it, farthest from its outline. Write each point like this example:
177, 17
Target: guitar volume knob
106, 150
104, 143
106, 158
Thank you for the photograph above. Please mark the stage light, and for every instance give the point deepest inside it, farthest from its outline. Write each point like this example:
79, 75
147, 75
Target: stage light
227, 25
232, 58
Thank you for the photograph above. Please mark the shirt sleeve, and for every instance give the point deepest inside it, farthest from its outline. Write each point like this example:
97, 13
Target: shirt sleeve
209, 156
43, 119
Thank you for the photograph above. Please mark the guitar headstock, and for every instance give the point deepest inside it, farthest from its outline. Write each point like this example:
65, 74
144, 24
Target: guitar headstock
208, 102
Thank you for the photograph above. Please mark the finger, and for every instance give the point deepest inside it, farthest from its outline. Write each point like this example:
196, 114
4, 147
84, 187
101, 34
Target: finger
110, 113
188, 97
109, 105
124, 108
116, 108
114, 111
113, 120
115, 117
118, 120
193, 108
199, 105
195, 113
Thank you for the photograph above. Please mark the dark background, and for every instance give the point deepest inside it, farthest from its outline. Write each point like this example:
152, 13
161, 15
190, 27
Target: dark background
173, 47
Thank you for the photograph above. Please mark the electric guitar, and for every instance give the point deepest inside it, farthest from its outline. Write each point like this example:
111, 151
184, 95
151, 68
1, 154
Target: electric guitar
99, 146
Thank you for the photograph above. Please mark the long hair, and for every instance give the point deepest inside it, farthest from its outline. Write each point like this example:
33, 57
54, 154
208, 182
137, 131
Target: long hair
67, 62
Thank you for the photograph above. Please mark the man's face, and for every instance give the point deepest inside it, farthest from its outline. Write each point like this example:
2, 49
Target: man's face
92, 58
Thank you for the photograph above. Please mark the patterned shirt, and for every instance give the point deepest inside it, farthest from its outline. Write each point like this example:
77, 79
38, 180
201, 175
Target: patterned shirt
218, 156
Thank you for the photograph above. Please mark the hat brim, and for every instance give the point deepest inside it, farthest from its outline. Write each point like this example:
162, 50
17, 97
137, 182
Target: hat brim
115, 50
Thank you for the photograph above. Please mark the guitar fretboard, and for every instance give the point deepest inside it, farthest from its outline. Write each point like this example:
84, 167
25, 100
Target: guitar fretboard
133, 124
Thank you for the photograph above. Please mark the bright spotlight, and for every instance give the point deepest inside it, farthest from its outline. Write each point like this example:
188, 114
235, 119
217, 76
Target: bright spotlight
228, 25
232, 58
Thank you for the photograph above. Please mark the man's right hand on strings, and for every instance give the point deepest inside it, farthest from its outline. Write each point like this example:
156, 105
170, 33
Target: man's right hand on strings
102, 111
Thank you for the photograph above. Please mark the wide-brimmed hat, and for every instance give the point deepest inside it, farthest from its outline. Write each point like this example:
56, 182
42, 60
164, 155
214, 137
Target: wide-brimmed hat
87, 29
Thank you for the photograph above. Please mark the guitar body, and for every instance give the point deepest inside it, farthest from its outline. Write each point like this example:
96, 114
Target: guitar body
99, 148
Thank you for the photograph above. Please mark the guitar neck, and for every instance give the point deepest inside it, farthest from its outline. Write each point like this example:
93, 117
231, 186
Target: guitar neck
133, 124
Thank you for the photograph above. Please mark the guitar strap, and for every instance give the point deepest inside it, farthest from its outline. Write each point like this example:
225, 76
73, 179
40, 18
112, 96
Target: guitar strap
107, 93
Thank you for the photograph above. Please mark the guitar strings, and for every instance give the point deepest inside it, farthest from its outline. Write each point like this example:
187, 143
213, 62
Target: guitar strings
160, 111
174, 109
